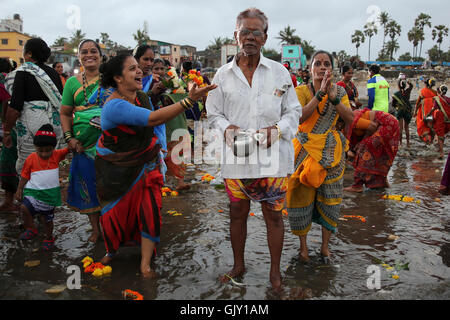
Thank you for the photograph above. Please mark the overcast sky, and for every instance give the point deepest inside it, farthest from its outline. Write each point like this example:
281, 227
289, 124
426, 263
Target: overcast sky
326, 24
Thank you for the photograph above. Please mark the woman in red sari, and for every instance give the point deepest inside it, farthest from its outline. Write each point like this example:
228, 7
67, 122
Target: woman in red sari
349, 86
375, 149
423, 112
441, 117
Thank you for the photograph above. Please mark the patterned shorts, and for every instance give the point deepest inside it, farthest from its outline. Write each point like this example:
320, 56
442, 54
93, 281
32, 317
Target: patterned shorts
272, 191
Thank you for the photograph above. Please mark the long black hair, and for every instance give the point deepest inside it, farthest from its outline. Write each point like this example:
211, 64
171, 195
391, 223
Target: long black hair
112, 68
40, 52
141, 50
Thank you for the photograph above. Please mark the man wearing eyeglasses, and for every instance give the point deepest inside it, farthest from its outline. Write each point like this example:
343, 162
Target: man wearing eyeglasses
255, 95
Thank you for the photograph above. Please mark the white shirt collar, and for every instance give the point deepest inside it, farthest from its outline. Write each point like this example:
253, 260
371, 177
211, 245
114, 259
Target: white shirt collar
262, 61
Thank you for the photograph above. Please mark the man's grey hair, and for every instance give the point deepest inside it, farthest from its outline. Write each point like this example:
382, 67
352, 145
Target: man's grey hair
253, 13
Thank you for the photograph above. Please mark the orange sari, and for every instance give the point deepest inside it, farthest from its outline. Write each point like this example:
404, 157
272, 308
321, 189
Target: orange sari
315, 188
426, 104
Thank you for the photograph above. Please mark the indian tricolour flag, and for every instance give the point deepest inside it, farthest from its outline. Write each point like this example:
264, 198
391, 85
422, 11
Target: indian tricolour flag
44, 186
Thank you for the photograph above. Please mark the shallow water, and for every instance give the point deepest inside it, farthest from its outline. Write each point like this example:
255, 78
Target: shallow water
195, 247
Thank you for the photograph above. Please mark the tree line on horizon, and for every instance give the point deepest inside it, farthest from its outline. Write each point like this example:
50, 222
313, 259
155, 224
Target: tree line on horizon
391, 30
416, 36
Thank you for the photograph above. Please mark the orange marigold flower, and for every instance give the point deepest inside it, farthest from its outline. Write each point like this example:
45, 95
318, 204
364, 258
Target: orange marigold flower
134, 295
170, 73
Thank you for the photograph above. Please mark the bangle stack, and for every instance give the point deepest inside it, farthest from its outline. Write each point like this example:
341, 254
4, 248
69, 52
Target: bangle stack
319, 95
335, 102
68, 136
187, 103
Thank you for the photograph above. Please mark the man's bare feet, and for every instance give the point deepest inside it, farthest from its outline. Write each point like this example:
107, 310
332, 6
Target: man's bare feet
235, 272
354, 189
275, 280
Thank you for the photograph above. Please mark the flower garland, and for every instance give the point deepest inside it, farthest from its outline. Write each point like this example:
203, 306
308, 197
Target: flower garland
96, 268
399, 197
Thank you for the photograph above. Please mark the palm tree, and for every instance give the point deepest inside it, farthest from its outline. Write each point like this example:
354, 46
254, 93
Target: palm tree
358, 38
391, 47
393, 30
141, 37
76, 38
308, 48
439, 32
421, 22
287, 36
59, 42
217, 43
414, 36
383, 18
369, 31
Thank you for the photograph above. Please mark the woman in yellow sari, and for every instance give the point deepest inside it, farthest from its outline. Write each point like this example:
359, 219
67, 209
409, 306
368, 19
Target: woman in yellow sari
315, 188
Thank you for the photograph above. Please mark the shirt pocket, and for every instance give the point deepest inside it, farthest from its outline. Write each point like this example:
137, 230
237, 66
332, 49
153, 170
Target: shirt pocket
270, 108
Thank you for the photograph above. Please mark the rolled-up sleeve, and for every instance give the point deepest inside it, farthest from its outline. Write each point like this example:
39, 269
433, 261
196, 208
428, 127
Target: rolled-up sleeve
215, 107
291, 111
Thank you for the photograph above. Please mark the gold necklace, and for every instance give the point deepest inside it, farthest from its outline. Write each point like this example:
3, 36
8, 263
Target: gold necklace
123, 97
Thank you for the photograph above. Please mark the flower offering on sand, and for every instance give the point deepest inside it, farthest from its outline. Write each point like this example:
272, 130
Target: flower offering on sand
399, 197
96, 268
207, 178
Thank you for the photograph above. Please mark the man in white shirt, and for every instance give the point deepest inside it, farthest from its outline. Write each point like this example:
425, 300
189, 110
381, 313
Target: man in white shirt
255, 94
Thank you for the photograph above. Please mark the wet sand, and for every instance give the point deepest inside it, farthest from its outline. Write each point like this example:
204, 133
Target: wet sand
195, 247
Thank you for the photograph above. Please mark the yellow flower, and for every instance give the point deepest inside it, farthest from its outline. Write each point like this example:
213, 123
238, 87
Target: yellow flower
87, 259
174, 193
106, 270
164, 194
97, 272
395, 276
389, 268
87, 263
385, 265
408, 199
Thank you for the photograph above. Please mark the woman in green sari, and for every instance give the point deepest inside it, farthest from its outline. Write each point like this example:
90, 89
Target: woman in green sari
78, 120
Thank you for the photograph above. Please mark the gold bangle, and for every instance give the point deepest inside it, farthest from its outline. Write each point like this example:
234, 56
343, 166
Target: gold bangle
189, 102
183, 104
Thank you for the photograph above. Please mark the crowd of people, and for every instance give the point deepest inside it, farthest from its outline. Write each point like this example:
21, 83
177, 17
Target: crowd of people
115, 121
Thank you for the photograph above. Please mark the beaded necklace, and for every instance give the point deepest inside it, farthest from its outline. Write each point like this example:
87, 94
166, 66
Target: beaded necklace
84, 91
136, 101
